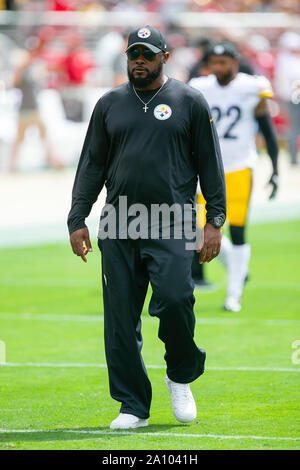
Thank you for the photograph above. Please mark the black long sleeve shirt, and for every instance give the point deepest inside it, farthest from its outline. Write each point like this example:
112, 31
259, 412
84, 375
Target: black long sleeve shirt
147, 159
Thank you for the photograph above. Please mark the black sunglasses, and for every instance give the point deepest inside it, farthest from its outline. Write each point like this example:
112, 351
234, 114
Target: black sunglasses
149, 55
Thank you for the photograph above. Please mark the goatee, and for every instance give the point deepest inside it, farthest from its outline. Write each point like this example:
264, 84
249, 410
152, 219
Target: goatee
225, 78
139, 82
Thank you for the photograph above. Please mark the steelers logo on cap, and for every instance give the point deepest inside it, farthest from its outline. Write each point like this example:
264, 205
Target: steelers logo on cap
162, 112
219, 49
144, 33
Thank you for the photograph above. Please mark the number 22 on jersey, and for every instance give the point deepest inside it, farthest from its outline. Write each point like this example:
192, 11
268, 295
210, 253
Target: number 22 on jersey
232, 114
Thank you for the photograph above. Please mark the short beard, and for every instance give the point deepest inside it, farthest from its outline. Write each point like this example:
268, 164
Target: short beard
226, 78
147, 81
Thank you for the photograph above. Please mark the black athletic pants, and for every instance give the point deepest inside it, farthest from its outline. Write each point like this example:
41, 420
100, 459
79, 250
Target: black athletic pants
127, 267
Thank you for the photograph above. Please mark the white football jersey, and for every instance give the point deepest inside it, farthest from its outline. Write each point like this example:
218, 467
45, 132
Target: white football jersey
232, 107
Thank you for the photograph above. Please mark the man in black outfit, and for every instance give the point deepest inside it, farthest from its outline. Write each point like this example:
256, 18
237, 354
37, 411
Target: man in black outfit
148, 141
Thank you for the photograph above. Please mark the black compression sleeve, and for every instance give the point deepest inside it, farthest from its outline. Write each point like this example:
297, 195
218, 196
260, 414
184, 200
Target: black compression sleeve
267, 129
237, 234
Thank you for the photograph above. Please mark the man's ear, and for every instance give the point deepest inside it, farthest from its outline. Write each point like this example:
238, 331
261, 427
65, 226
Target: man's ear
166, 57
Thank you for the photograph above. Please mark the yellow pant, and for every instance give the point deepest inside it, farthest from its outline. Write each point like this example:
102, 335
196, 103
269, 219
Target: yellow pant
238, 191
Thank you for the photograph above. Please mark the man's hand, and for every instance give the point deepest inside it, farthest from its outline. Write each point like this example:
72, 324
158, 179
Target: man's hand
274, 183
212, 243
80, 242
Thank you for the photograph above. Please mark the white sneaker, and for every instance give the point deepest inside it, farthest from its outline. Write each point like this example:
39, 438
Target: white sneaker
233, 304
183, 403
127, 421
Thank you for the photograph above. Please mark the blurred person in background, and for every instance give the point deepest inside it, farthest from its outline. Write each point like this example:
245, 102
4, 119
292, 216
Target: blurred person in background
287, 86
119, 64
74, 67
108, 58
238, 103
201, 69
24, 78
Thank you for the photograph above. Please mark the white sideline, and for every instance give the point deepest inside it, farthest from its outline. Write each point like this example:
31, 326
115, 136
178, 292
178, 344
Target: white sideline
160, 434
104, 366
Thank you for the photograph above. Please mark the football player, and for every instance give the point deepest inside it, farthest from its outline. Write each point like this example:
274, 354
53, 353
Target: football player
239, 107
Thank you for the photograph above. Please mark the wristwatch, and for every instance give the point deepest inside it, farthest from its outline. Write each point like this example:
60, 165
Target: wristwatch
217, 221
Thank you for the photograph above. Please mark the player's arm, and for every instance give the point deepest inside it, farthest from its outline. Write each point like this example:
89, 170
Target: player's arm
89, 180
267, 128
207, 154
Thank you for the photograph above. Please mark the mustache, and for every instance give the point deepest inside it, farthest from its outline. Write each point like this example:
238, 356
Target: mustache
140, 68
149, 78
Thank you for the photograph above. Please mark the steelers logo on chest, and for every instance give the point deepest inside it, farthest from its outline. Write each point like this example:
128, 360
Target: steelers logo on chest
162, 112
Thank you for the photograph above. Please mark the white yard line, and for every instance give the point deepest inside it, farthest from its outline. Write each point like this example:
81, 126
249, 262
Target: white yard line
254, 285
40, 282
51, 317
95, 283
150, 366
282, 322
149, 434
99, 318
258, 369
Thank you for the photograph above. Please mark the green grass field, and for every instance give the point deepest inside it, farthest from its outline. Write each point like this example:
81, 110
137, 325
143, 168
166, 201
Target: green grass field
51, 315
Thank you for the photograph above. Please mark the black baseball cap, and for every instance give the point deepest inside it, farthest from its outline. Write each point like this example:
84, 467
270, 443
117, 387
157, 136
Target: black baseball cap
149, 37
223, 48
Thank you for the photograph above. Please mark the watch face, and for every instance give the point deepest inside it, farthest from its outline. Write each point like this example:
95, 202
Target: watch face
218, 222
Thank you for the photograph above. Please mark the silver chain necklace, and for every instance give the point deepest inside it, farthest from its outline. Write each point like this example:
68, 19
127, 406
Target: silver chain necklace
147, 107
